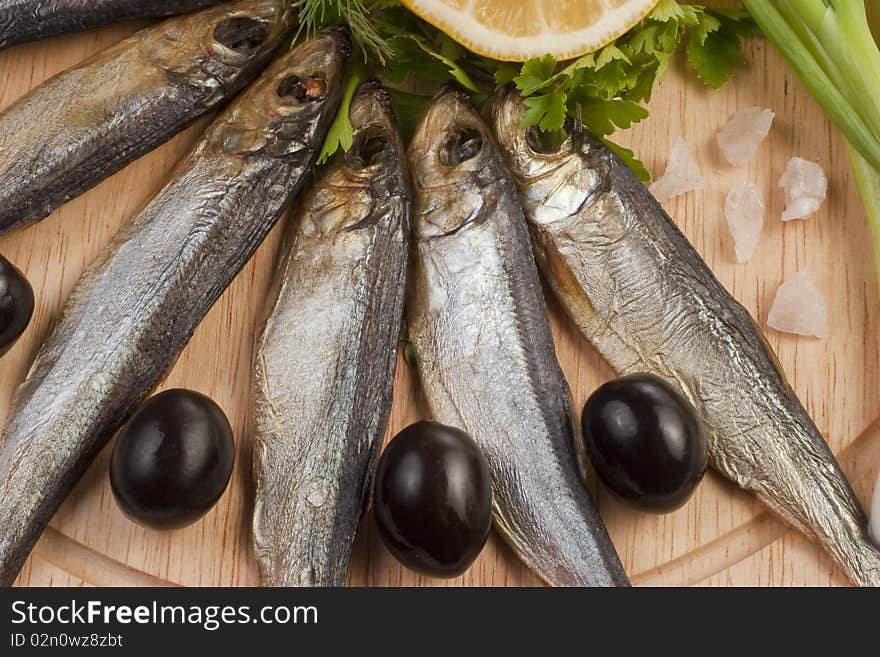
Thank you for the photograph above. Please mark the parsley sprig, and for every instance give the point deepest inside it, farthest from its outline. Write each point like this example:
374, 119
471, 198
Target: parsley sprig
606, 89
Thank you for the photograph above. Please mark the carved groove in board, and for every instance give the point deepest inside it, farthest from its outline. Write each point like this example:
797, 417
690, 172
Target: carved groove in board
100, 569
89, 565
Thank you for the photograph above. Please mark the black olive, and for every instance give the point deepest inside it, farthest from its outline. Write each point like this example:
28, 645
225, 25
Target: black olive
645, 441
16, 304
432, 499
172, 460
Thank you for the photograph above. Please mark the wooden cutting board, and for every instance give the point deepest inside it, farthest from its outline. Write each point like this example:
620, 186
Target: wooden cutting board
721, 537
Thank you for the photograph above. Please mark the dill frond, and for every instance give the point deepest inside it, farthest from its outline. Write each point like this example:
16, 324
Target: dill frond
359, 15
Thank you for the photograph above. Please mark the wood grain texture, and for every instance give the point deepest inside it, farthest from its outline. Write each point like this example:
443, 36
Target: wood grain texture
721, 537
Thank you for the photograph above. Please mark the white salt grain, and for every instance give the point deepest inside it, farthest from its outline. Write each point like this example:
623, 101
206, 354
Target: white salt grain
682, 174
744, 211
740, 137
874, 524
805, 188
799, 307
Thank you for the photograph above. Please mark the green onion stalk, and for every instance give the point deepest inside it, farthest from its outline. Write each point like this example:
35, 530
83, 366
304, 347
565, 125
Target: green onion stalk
830, 46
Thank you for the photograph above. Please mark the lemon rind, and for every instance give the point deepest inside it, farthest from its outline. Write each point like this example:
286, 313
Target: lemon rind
510, 48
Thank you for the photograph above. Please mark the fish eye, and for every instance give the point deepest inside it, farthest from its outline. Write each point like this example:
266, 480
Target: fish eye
301, 89
242, 34
460, 146
369, 150
546, 142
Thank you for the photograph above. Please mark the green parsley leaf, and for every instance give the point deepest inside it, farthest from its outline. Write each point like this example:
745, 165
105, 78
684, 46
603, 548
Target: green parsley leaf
554, 118
535, 74
602, 117
341, 132
409, 354
708, 24
747, 27
456, 71
406, 346
505, 73
610, 53
644, 41
643, 88
671, 11
714, 49
630, 160
547, 111
409, 60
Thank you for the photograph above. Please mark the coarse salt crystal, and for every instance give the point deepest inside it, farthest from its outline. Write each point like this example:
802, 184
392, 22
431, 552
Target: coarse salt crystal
744, 211
682, 174
805, 188
740, 137
799, 307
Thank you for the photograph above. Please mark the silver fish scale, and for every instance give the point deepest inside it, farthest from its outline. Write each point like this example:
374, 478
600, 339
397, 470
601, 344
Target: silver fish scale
481, 373
326, 358
646, 300
487, 363
136, 306
28, 20
86, 123
323, 394
322, 399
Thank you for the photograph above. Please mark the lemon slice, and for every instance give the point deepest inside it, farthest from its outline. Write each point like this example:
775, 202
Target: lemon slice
517, 30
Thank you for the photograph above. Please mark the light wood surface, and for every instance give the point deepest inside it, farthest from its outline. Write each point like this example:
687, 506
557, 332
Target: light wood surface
721, 537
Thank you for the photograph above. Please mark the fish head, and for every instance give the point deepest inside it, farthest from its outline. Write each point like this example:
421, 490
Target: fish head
554, 180
370, 181
290, 107
220, 47
376, 142
455, 166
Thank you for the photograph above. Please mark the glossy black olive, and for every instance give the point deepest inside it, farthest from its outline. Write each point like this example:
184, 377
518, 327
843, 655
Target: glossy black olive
645, 441
432, 499
16, 304
172, 460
